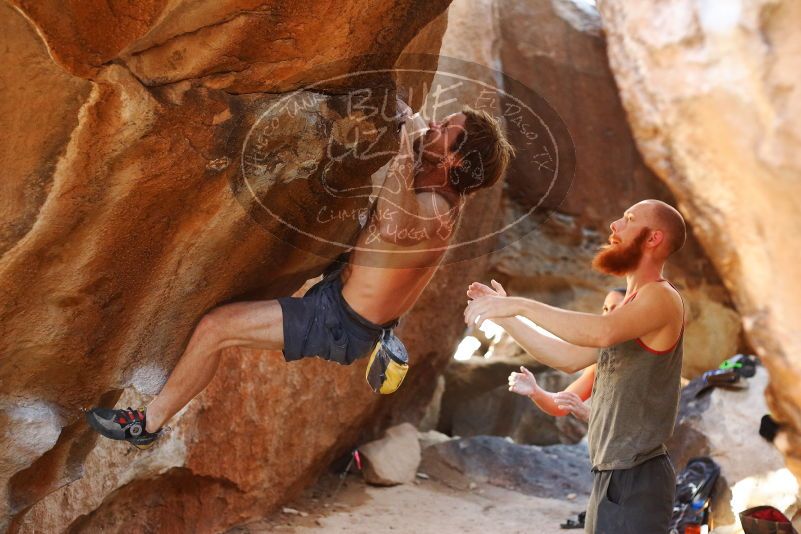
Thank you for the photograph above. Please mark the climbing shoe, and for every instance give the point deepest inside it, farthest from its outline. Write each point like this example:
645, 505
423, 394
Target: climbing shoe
125, 425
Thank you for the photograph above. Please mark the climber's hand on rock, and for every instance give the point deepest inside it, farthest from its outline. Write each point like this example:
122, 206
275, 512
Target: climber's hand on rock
403, 108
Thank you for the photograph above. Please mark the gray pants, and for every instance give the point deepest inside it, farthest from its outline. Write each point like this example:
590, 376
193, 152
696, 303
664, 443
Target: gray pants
638, 500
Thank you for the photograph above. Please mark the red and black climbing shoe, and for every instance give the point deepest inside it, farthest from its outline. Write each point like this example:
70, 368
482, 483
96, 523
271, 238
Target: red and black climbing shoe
126, 425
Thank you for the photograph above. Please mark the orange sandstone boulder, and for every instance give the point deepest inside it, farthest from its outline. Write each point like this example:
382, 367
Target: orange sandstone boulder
135, 201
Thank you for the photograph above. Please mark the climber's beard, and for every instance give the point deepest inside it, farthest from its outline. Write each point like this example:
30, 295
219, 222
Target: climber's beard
618, 259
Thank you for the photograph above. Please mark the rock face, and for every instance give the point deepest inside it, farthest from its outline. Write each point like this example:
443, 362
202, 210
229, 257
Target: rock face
222, 46
724, 425
555, 471
477, 402
126, 221
392, 459
713, 102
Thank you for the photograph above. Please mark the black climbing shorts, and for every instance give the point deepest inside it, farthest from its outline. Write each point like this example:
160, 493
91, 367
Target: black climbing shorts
322, 324
638, 500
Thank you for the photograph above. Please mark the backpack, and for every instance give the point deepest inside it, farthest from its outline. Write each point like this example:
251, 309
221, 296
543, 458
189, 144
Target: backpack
693, 485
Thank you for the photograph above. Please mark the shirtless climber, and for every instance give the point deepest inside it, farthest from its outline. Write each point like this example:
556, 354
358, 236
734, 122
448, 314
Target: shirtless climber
350, 313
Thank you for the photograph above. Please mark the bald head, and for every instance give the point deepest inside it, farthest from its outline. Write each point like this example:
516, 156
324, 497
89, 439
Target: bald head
664, 217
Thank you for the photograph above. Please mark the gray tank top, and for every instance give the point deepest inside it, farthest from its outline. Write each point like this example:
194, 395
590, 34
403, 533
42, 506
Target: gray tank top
635, 400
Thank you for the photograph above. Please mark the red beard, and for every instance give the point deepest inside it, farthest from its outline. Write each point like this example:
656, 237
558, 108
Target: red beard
619, 260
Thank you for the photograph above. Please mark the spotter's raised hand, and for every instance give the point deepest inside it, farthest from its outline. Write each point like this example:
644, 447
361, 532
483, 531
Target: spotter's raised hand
477, 289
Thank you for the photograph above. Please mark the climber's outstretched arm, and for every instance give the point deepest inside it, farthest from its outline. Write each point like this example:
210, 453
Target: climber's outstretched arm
551, 351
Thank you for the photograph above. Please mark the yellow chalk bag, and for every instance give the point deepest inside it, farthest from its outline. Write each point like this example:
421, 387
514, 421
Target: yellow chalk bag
388, 365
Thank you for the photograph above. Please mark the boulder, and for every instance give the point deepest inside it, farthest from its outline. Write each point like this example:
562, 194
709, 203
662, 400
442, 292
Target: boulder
431, 437
223, 46
131, 219
711, 96
724, 425
127, 218
555, 471
392, 459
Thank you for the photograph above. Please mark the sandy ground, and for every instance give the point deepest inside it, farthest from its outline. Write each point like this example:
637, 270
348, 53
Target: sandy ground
425, 506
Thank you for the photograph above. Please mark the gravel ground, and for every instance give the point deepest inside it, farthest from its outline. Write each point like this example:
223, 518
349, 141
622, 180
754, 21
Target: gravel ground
422, 507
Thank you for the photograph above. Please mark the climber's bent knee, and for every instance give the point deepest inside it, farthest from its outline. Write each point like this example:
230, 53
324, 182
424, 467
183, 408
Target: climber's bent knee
256, 325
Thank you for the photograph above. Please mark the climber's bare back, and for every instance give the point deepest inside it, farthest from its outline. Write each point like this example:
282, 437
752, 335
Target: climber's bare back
383, 280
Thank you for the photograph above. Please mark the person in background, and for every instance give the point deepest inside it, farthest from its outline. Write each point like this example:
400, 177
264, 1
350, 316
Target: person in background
571, 400
638, 349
